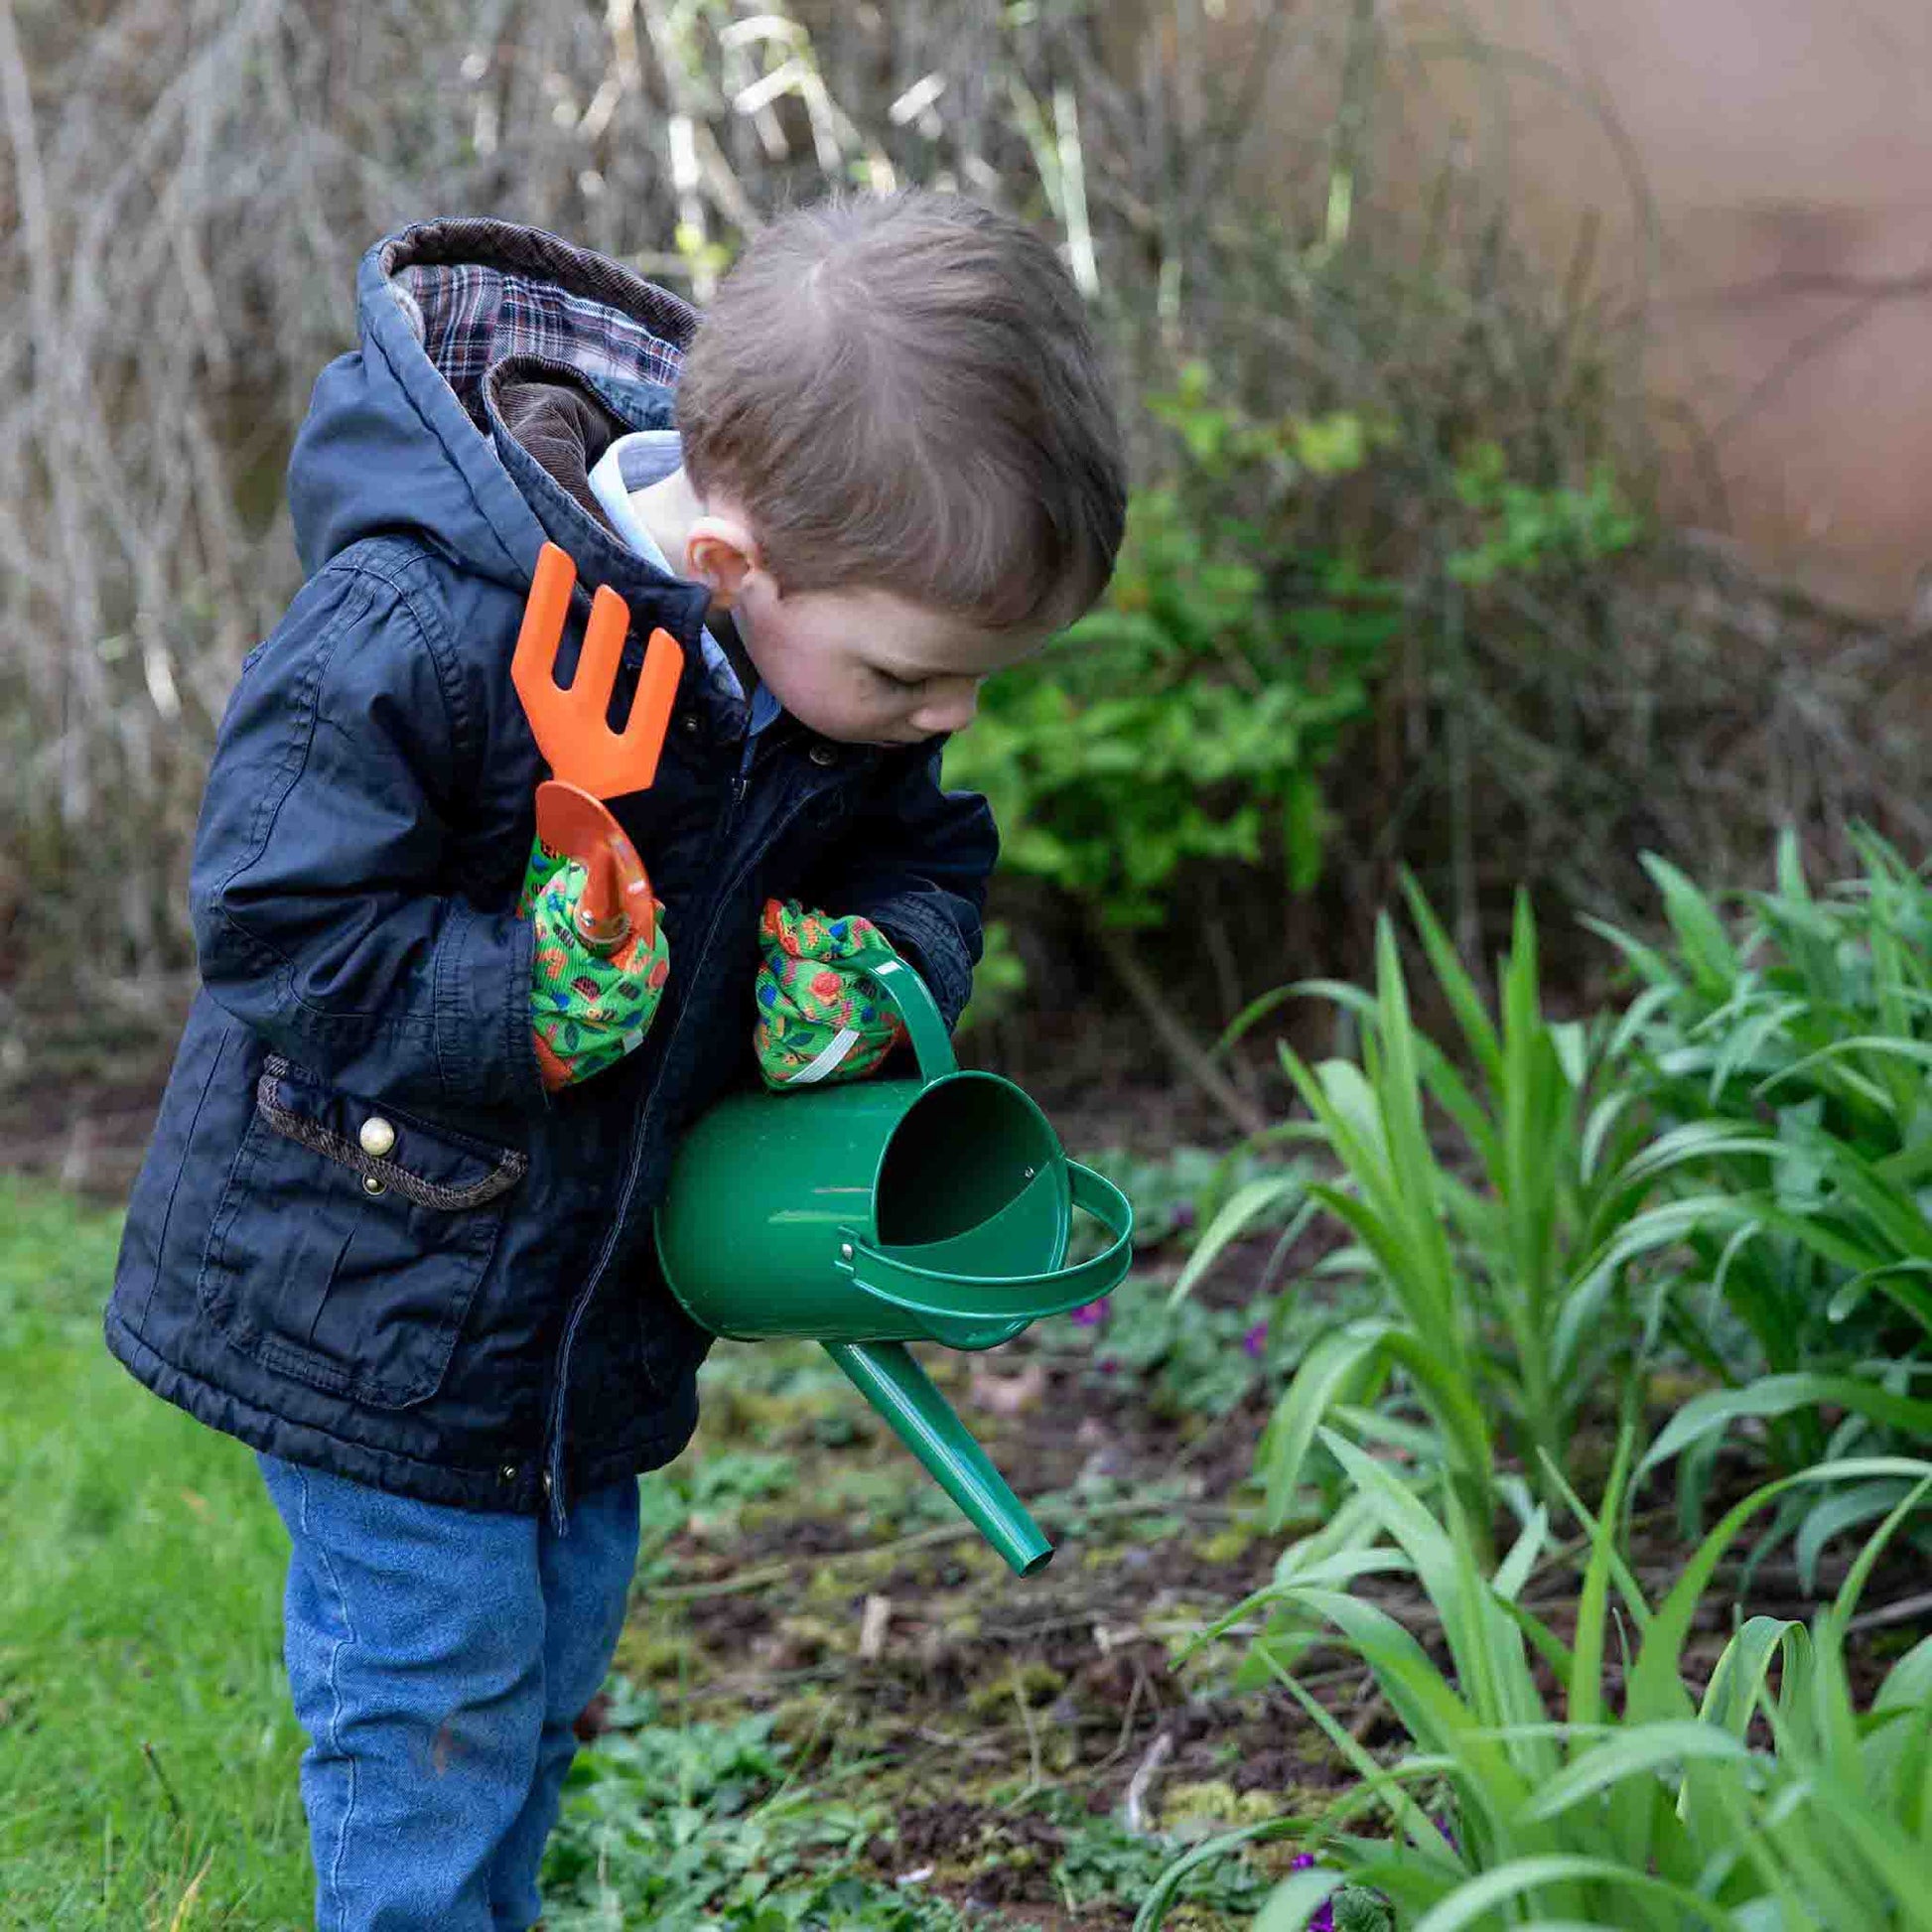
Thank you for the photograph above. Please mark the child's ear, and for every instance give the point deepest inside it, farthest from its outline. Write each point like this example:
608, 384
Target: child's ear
721, 552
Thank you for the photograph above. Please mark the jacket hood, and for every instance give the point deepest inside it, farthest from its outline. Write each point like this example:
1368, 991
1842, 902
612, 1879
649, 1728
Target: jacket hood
401, 432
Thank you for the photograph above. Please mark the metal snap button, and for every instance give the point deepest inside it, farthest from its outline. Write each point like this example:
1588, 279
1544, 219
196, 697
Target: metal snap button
376, 1136
824, 754
373, 1185
507, 1473
688, 723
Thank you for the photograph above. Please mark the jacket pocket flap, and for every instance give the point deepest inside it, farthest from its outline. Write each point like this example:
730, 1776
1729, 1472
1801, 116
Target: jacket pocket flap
431, 1164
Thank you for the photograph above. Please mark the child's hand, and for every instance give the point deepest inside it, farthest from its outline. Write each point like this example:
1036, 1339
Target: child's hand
821, 1017
586, 1010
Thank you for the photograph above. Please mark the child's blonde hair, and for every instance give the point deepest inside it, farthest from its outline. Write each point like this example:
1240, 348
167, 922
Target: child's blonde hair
903, 393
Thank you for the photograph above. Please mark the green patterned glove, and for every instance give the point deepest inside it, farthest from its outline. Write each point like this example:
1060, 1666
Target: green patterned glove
586, 1010
821, 1017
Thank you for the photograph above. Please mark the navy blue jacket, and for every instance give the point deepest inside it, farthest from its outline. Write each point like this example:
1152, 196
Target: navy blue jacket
474, 1317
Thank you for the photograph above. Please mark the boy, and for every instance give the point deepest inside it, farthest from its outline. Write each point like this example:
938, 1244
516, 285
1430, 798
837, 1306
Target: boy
395, 1226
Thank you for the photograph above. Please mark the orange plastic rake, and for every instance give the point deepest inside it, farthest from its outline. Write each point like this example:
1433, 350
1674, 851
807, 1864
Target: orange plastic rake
588, 761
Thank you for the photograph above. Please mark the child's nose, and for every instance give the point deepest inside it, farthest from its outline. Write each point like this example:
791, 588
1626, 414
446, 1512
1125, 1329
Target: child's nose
951, 713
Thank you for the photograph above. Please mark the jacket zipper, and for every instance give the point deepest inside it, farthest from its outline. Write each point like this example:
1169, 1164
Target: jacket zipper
553, 1472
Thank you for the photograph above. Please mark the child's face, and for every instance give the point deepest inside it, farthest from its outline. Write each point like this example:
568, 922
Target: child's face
867, 667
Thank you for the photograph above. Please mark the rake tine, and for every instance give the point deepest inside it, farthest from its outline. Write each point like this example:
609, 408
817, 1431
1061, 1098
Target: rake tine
651, 708
533, 669
596, 664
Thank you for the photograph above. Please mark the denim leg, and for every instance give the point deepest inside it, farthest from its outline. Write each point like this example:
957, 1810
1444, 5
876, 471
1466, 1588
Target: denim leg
586, 1575
415, 1648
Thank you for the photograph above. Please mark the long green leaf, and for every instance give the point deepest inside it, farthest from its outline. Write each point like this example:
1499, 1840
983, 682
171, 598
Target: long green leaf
1899, 1867
1290, 1906
1458, 1404
1649, 964
1641, 1751
1862, 1565
1603, 1538
1329, 1368
1740, 1051
1457, 987
1468, 1903
1585, 1698
1386, 1783
1413, 1172
1156, 1903
1701, 934
1517, 1566
1915, 1051
1430, 1710
1655, 1685
1246, 1205
1833, 1516
1635, 1018
1778, 1395
1737, 1683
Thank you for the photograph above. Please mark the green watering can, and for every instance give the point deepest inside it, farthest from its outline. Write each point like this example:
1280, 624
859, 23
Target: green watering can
870, 1215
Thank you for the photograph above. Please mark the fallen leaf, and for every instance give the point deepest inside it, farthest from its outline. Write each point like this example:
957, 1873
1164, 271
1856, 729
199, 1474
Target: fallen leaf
1010, 1395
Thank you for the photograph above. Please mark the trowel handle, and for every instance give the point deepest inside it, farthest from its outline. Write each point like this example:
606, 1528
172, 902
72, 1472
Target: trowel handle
884, 1373
932, 1044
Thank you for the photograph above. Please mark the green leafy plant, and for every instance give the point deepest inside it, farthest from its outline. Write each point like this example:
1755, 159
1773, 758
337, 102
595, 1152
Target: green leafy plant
1775, 1799
1805, 1031
698, 1826
1101, 1862
1501, 1247
1188, 718
1526, 530
1187, 1359
1172, 1190
1189, 721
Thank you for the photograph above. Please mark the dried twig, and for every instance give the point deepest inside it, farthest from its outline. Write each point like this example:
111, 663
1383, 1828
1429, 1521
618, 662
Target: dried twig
1141, 1782
1187, 1052
873, 1628
1908, 1609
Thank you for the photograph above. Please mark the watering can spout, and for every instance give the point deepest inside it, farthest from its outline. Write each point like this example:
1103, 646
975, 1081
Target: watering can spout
885, 1212
886, 1374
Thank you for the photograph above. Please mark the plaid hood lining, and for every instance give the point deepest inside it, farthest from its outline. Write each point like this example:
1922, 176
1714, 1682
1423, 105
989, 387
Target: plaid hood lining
477, 292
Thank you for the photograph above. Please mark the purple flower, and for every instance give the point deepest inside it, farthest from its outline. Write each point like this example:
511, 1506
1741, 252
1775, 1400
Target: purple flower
1108, 1364
1255, 1342
1324, 1919
1093, 1315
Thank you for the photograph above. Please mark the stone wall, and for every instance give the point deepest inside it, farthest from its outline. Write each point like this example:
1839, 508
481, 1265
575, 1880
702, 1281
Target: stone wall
1761, 171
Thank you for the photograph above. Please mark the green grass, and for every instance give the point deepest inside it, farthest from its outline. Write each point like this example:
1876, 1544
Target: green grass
148, 1753
147, 1748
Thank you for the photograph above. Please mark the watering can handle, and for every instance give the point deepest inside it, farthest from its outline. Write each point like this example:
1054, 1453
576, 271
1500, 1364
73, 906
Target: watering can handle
946, 1304
932, 1044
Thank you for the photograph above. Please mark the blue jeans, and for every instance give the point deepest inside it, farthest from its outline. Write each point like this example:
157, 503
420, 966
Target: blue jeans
437, 1659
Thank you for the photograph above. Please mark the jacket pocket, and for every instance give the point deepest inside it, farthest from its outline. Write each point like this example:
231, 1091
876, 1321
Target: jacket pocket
351, 1238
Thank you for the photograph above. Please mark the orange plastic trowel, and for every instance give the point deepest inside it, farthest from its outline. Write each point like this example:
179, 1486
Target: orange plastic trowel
588, 761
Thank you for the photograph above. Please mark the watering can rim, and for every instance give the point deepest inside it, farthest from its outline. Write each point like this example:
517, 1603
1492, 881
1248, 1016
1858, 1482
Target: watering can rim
1065, 1286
